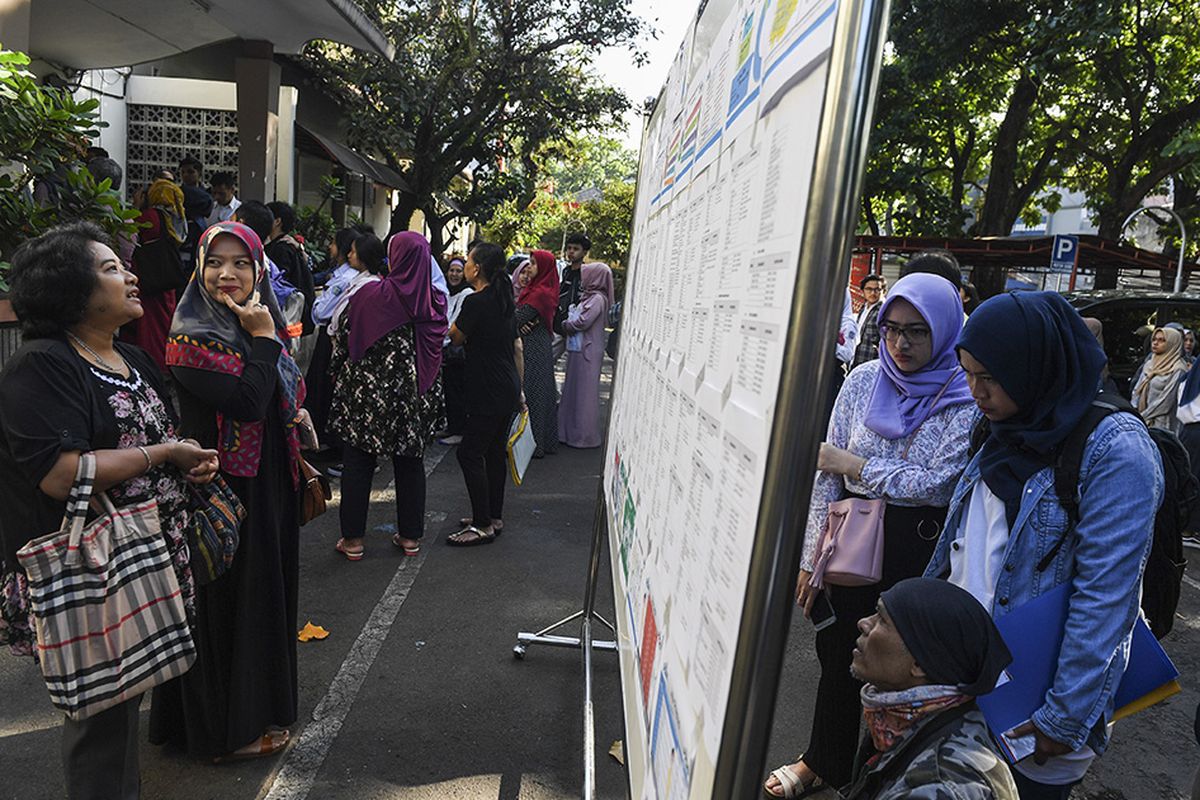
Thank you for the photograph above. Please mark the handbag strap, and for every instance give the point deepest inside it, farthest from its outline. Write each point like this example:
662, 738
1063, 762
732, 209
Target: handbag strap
938, 396
78, 501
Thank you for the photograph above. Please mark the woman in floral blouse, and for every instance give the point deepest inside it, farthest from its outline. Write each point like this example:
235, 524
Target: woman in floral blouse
900, 431
387, 393
72, 389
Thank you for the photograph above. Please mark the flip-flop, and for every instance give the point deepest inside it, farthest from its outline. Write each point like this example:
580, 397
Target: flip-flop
408, 550
351, 555
497, 529
480, 537
268, 744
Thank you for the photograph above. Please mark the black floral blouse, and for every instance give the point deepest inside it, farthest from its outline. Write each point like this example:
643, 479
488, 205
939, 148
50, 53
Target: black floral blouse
376, 404
142, 419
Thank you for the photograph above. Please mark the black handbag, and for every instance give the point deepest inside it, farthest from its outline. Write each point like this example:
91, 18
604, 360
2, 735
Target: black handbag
158, 264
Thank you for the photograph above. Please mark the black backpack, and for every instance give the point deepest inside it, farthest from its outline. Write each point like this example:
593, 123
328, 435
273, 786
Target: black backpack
1162, 579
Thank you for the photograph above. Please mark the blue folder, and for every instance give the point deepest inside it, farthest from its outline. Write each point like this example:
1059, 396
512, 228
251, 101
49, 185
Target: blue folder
1034, 634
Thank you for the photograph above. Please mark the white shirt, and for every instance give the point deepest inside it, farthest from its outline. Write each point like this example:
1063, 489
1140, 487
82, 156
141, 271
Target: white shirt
977, 555
848, 331
222, 213
976, 561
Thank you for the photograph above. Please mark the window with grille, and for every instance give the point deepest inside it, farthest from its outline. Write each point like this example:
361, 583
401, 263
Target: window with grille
159, 137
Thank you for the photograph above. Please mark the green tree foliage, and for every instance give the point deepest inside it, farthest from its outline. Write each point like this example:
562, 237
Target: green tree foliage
985, 107
42, 133
588, 186
477, 86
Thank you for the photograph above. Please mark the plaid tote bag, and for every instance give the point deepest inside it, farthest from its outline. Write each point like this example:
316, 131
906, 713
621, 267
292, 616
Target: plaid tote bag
106, 604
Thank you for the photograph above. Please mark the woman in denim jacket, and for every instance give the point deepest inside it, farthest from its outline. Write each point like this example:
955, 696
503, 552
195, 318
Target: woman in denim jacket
1034, 368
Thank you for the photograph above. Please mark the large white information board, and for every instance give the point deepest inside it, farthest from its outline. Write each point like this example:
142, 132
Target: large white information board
726, 163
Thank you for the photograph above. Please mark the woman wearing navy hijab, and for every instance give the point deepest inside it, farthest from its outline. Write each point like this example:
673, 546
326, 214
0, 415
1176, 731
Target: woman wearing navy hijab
1034, 369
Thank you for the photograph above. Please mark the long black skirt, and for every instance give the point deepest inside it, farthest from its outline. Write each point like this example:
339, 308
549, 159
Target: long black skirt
244, 679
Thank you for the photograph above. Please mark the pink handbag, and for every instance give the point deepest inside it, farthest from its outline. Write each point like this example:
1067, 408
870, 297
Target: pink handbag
850, 551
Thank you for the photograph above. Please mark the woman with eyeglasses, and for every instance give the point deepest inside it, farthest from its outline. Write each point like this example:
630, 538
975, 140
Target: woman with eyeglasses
900, 431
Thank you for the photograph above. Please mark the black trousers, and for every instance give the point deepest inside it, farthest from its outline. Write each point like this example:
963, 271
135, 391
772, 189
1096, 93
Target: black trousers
909, 538
358, 472
454, 385
100, 754
483, 456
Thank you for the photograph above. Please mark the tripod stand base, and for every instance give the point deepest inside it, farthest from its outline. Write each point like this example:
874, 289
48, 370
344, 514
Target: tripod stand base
544, 637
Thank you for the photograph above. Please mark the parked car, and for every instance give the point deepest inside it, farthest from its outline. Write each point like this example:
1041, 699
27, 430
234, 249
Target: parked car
1126, 314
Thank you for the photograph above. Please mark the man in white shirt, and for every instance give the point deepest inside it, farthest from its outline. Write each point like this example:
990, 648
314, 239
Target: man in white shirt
224, 193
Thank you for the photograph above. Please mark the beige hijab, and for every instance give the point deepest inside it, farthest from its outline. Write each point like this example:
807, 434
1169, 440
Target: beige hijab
1165, 363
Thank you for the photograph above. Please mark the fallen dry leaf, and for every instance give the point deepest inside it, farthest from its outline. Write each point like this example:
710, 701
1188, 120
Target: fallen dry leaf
310, 632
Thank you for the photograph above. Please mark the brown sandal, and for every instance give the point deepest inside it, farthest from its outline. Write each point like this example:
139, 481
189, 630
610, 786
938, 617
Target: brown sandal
270, 743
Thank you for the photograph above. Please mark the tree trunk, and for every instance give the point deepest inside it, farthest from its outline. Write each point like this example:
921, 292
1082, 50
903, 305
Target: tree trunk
1003, 202
437, 231
403, 212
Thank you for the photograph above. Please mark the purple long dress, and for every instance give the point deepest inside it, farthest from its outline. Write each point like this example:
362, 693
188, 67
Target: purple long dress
579, 410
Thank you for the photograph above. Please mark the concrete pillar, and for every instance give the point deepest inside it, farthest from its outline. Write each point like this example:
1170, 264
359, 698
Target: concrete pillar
257, 77
14, 24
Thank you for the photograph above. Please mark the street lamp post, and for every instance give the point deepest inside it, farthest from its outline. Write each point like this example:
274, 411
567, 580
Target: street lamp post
1182, 234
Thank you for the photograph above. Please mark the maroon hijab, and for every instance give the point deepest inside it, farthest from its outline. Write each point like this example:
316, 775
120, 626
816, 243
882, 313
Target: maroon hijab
405, 296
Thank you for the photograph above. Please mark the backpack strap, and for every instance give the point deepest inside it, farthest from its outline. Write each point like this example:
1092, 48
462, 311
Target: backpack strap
1068, 465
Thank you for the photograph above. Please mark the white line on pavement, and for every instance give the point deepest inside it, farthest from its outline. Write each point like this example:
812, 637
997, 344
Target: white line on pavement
1192, 582
296, 776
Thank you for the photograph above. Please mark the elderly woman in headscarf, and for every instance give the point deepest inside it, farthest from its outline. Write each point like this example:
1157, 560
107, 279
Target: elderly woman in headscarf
1155, 393
579, 411
1034, 371
900, 432
925, 654
387, 391
239, 392
163, 217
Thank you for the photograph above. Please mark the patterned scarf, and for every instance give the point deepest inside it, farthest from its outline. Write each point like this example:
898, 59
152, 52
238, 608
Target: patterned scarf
891, 716
205, 335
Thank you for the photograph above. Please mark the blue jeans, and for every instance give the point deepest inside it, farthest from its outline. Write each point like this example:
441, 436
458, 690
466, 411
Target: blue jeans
1030, 789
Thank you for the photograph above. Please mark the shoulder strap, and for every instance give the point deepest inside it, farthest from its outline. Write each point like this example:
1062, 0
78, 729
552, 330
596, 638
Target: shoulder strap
937, 397
1068, 466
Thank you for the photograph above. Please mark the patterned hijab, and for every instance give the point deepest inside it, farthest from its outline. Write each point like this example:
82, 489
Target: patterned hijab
206, 335
167, 197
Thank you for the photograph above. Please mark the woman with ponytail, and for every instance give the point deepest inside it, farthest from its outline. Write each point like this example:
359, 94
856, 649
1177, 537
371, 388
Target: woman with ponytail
487, 329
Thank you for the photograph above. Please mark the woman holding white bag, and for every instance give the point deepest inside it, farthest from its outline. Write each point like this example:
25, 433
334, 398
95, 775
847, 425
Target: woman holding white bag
900, 433
72, 389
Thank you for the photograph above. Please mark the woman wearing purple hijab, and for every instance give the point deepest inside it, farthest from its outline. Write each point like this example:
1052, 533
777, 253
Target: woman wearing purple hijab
900, 431
387, 393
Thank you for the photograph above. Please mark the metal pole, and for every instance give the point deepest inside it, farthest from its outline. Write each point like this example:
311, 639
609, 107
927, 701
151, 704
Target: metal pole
1182, 236
600, 525
796, 433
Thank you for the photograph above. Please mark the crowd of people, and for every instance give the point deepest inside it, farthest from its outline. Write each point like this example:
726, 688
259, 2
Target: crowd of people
954, 422
240, 364
213, 345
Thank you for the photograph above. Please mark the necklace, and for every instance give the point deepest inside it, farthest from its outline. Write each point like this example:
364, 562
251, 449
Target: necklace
100, 361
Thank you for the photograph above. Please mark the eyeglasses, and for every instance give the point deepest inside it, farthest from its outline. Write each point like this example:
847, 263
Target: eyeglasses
915, 335
873, 290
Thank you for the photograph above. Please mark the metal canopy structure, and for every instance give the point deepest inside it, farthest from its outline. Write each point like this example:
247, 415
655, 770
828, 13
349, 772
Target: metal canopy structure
1022, 252
369, 168
94, 34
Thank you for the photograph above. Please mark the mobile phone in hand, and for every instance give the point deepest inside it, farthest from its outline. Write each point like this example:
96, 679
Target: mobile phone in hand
822, 615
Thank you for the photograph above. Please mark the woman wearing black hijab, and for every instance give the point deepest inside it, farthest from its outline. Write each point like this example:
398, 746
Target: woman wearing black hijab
1034, 371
